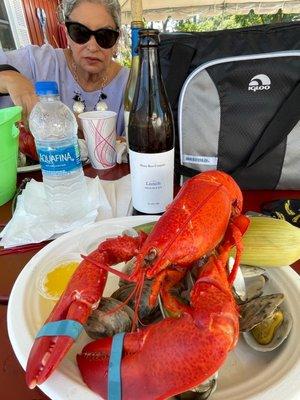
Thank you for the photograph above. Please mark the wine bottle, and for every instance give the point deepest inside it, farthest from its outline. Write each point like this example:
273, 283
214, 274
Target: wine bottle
130, 86
151, 133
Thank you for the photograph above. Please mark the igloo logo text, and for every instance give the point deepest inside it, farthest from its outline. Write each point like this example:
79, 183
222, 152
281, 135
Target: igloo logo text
259, 82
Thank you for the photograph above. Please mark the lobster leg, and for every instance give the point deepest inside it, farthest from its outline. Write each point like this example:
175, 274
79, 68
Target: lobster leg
173, 305
82, 294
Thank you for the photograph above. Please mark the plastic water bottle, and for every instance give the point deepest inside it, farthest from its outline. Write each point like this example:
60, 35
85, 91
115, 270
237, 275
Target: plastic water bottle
54, 128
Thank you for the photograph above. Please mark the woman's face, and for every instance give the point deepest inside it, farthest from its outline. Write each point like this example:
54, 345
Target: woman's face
90, 56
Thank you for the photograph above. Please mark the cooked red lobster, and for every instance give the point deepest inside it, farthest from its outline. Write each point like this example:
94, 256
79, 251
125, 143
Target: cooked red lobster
204, 219
26, 142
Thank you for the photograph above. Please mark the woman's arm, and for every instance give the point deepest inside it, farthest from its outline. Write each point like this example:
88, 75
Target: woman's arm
19, 88
7, 67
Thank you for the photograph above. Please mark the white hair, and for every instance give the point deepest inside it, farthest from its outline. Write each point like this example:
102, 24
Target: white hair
112, 6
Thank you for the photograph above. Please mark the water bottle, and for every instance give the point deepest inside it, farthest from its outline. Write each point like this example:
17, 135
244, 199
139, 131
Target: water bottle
54, 128
151, 133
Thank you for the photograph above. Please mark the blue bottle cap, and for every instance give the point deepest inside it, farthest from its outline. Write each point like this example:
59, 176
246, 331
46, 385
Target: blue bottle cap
43, 88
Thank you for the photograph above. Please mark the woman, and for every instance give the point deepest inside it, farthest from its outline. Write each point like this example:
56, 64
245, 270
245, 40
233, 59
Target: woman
86, 73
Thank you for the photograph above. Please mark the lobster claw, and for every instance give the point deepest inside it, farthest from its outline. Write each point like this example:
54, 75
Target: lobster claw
81, 296
48, 351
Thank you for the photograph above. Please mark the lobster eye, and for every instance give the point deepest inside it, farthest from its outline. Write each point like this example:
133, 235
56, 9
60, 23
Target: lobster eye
150, 257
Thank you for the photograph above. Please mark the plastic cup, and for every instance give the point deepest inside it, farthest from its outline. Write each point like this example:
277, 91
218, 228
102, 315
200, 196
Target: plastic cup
9, 147
55, 274
99, 130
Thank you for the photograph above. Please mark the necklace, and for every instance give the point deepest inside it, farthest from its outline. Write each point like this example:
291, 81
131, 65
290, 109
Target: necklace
79, 105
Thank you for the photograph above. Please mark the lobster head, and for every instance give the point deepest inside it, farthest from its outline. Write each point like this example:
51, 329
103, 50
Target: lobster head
193, 224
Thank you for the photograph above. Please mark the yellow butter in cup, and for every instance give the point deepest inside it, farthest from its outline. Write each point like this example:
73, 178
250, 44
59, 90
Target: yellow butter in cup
56, 281
54, 278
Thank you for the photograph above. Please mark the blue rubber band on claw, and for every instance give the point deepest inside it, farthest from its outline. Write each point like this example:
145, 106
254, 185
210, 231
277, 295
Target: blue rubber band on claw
66, 327
114, 368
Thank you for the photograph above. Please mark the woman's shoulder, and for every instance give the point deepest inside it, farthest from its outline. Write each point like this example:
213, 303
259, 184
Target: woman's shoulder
34, 61
45, 53
37, 57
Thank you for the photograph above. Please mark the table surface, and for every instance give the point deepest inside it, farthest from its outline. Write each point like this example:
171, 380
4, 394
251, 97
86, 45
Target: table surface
12, 378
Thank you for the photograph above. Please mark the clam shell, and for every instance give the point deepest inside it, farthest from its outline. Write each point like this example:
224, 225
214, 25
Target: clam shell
255, 286
124, 291
207, 387
280, 335
255, 311
249, 282
200, 392
249, 272
127, 269
101, 324
239, 286
130, 232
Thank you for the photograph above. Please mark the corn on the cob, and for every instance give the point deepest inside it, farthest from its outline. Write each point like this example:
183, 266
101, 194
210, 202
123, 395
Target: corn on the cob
270, 242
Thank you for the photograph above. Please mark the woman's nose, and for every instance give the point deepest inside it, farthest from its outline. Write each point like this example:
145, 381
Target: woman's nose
92, 43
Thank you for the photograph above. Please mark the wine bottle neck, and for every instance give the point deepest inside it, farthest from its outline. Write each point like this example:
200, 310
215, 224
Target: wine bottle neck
149, 73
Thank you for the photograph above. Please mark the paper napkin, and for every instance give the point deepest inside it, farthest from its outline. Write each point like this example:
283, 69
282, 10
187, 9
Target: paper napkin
33, 223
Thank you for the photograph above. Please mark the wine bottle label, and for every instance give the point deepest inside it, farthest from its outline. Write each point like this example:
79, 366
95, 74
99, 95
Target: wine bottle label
152, 180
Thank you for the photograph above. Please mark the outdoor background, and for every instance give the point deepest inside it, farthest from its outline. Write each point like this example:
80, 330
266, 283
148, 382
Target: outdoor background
202, 24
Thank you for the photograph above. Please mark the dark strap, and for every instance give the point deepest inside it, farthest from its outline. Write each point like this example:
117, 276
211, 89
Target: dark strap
279, 127
7, 67
186, 171
180, 60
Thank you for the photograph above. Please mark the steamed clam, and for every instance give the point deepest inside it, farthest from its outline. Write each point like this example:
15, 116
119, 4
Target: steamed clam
255, 311
265, 321
109, 318
249, 282
201, 392
127, 269
124, 292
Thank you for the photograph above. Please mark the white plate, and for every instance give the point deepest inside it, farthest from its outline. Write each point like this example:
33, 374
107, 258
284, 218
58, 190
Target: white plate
246, 375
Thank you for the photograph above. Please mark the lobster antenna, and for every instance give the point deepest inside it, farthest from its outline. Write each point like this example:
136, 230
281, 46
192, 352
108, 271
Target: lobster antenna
124, 303
120, 274
139, 292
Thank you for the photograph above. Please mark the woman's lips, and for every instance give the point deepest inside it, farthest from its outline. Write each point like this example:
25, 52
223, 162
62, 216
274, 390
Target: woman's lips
92, 60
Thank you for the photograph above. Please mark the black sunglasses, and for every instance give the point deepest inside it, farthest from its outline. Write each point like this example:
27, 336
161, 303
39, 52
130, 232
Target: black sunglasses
80, 34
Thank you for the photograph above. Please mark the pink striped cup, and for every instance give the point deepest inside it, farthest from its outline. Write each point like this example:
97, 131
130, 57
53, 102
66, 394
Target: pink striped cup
99, 130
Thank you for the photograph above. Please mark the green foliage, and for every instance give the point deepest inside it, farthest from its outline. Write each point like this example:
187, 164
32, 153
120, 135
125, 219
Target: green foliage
124, 56
221, 22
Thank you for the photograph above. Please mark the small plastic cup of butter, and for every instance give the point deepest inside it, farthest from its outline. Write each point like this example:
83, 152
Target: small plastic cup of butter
55, 275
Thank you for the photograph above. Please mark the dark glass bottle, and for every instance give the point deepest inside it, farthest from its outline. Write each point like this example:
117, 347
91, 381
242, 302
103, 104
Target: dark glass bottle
151, 133
131, 83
